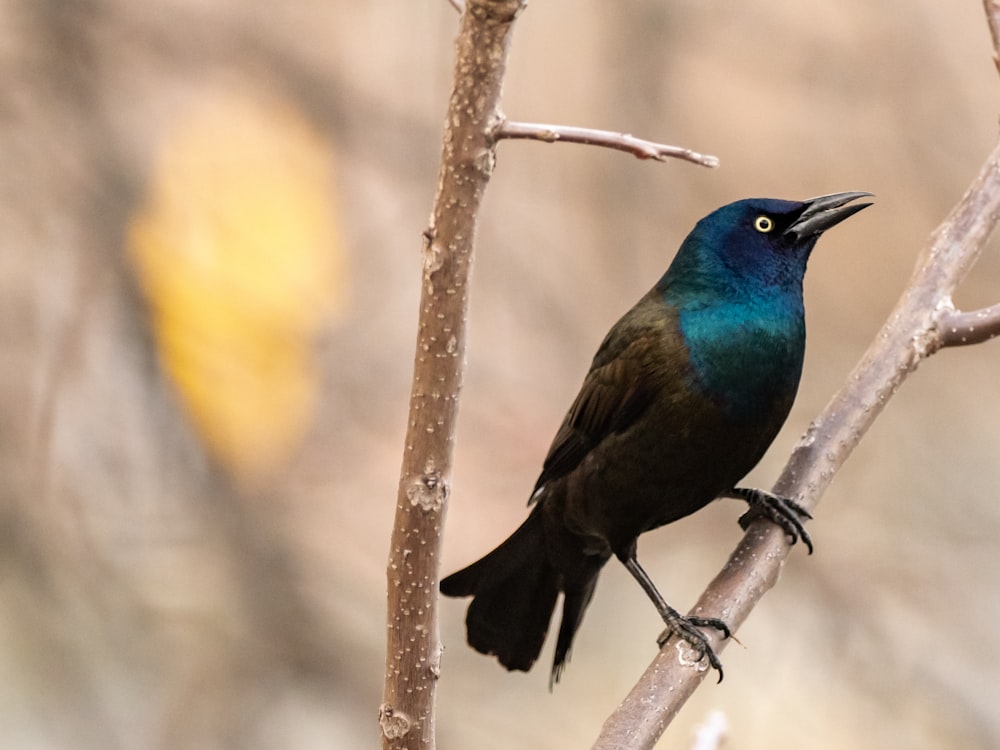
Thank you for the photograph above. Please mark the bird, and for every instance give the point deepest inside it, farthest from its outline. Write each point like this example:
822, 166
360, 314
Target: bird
683, 397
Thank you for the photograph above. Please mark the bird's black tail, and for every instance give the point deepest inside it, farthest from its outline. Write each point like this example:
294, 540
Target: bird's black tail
514, 590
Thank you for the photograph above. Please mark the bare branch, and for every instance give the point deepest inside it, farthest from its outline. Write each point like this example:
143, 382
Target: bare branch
413, 646
605, 138
992, 8
958, 328
911, 334
458, 5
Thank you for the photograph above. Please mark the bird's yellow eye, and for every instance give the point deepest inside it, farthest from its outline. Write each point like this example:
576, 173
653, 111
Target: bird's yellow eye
763, 224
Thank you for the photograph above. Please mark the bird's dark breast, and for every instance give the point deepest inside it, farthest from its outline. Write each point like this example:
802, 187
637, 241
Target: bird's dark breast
701, 434
664, 468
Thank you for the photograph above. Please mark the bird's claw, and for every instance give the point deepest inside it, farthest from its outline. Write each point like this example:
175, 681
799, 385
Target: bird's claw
687, 629
783, 511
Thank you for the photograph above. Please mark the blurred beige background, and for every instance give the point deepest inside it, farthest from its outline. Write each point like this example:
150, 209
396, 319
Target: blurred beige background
197, 495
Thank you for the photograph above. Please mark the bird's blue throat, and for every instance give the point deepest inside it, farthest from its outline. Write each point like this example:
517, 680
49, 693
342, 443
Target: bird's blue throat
738, 293
746, 356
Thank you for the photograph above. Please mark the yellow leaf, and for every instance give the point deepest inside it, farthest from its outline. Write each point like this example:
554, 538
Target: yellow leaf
236, 248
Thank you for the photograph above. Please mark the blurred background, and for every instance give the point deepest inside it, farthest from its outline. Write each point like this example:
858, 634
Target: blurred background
211, 224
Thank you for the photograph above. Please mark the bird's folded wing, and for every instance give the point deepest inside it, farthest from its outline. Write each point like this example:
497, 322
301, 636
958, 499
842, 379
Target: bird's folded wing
613, 396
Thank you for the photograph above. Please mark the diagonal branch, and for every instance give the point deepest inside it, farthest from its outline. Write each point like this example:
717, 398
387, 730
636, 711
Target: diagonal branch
912, 333
638, 147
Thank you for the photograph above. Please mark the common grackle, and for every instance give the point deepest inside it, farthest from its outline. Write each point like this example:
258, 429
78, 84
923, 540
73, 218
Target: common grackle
683, 398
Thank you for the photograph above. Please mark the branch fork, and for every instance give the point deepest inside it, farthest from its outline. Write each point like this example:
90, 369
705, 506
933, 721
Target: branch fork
958, 328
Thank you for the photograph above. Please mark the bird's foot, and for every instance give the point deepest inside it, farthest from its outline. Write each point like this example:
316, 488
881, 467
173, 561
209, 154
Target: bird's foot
677, 624
687, 629
783, 511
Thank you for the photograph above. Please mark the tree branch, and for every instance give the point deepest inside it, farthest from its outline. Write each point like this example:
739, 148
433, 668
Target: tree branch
413, 647
912, 333
959, 328
605, 138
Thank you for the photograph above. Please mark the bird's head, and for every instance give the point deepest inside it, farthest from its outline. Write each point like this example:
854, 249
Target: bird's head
759, 242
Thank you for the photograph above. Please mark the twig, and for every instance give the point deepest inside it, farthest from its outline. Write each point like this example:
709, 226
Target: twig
458, 5
912, 333
413, 646
638, 147
992, 8
959, 328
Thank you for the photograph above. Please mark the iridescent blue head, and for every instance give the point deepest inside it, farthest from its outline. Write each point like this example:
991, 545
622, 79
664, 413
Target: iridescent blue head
754, 245
736, 284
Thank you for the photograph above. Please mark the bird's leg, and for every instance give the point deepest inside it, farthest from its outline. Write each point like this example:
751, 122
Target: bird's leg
784, 511
677, 624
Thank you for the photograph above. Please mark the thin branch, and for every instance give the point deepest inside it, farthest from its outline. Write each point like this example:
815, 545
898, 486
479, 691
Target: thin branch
911, 334
958, 328
605, 138
413, 645
992, 8
458, 5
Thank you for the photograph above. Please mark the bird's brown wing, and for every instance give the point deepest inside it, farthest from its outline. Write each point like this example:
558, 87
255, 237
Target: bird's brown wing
614, 394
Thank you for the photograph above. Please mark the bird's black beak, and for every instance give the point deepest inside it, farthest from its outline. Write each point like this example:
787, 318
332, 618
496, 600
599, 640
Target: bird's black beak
824, 212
